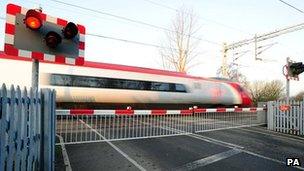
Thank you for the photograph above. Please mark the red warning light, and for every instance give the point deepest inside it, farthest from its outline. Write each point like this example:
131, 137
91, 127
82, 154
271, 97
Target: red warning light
33, 19
70, 30
52, 39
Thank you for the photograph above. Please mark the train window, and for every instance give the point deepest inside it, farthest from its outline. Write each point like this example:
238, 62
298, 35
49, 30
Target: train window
172, 87
115, 83
180, 88
133, 85
160, 86
164, 87
154, 86
61, 80
130, 84
86, 82
146, 85
100, 82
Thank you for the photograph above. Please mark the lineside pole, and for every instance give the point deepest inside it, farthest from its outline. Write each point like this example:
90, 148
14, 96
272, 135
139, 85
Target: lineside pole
287, 89
35, 67
287, 81
35, 74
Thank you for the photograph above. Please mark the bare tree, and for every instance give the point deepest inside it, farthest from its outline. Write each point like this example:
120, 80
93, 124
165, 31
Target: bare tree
299, 96
234, 74
262, 91
181, 51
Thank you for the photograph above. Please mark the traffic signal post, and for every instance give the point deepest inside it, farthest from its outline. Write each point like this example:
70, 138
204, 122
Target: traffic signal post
287, 80
35, 74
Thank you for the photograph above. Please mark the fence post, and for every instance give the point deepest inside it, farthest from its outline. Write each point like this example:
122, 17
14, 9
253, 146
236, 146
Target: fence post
270, 115
3, 126
193, 120
53, 124
47, 152
262, 115
302, 117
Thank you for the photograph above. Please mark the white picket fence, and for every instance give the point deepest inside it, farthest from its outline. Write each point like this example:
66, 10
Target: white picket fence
25, 129
289, 121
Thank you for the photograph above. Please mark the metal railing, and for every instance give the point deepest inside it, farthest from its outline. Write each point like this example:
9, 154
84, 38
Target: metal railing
231, 118
78, 126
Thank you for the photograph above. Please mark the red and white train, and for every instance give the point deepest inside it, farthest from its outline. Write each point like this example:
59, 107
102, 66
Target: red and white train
110, 86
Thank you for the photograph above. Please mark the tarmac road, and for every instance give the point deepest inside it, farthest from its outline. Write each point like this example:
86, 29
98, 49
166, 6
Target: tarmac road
251, 148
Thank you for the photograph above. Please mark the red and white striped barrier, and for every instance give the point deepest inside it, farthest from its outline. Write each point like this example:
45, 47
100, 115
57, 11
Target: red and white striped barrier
153, 112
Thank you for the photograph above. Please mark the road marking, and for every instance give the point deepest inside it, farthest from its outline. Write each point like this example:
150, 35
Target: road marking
249, 152
115, 147
207, 139
211, 159
231, 127
240, 148
122, 139
64, 154
202, 162
215, 141
271, 159
285, 136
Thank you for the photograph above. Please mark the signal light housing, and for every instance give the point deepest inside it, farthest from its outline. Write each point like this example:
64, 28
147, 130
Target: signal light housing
52, 39
33, 19
70, 30
296, 68
45, 33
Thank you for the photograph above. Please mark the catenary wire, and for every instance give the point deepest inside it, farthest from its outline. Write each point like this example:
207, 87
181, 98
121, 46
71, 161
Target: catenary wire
288, 4
123, 40
202, 18
132, 20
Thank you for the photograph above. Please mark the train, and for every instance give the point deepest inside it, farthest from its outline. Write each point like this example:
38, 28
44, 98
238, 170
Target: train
97, 85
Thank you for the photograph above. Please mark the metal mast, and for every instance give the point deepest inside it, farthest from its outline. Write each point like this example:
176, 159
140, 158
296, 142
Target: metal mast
257, 38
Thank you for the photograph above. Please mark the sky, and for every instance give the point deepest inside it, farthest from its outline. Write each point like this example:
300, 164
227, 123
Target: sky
219, 20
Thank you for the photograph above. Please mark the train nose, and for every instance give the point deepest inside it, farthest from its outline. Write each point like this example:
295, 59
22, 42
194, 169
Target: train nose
247, 101
243, 94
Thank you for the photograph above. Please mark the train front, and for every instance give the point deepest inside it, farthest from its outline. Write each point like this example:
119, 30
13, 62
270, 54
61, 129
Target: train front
244, 95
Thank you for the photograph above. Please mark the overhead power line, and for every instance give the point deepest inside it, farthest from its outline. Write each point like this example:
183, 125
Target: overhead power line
299, 10
255, 40
133, 42
122, 40
111, 15
202, 18
161, 5
131, 20
128, 41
